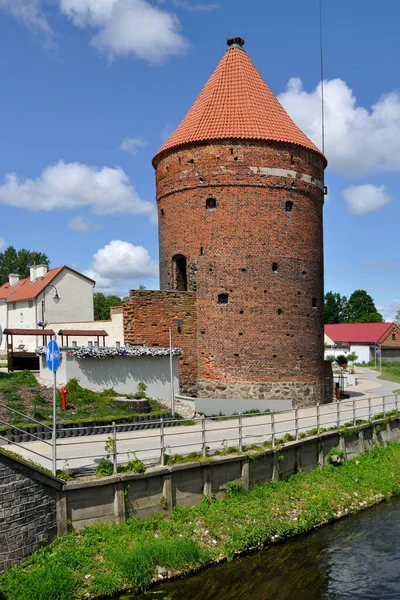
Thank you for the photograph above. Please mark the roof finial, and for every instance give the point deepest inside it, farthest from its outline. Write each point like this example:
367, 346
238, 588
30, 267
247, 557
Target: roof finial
235, 42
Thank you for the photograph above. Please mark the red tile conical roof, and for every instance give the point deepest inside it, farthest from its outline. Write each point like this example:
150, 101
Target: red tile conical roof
236, 103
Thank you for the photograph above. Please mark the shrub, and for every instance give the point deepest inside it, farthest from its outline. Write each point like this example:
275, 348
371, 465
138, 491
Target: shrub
134, 465
104, 468
341, 359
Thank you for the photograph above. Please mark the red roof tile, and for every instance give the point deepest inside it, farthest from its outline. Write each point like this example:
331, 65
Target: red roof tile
362, 333
236, 103
29, 331
83, 332
26, 290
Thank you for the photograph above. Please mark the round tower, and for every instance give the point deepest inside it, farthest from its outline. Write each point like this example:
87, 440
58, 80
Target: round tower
240, 191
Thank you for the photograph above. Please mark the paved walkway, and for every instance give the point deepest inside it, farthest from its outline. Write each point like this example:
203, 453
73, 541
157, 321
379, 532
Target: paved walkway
86, 452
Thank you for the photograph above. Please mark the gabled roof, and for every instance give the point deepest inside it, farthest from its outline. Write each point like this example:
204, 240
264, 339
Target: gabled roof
25, 289
362, 333
236, 103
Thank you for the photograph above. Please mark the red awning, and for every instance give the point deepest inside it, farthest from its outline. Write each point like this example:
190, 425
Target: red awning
83, 332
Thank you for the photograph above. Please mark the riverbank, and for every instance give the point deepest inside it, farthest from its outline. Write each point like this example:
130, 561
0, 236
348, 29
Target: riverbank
105, 559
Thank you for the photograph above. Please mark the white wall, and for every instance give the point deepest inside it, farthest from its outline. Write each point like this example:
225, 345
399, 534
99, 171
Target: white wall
363, 353
114, 328
121, 373
76, 299
3, 322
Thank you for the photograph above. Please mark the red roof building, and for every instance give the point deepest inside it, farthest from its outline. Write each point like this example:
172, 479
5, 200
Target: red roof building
364, 333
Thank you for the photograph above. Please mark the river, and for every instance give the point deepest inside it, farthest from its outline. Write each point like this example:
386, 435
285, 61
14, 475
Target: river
355, 558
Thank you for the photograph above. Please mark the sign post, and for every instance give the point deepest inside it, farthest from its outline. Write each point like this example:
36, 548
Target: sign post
53, 361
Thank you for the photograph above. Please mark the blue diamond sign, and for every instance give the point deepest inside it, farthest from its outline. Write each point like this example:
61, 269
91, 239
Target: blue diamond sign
53, 355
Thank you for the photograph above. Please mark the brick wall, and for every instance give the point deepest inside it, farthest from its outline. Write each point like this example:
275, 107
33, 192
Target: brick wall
391, 337
268, 260
28, 510
148, 315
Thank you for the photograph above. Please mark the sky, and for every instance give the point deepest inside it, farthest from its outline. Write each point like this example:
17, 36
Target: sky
92, 88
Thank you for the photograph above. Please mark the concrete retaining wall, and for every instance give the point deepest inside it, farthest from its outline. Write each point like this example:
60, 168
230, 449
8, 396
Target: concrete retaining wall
29, 504
117, 497
122, 373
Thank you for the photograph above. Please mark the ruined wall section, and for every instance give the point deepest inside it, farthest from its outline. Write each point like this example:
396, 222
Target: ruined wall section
148, 315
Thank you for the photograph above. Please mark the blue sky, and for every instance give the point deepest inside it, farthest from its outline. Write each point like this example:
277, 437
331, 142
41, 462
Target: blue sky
91, 89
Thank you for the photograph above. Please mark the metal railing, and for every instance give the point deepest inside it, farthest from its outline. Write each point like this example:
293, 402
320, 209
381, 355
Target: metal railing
206, 435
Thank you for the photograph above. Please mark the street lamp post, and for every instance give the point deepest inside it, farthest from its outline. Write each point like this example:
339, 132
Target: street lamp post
56, 298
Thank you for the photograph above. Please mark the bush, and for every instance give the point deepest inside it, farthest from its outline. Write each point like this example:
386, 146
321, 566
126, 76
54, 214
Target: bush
104, 468
134, 465
41, 583
341, 360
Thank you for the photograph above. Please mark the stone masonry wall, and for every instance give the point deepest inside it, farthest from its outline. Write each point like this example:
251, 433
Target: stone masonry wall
148, 315
28, 511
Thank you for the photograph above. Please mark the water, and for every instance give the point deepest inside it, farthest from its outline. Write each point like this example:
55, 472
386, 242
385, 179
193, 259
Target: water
355, 558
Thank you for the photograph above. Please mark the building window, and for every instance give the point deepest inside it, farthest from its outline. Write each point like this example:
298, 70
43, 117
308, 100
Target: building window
289, 206
21, 317
393, 336
14, 305
30, 303
314, 303
223, 298
179, 273
211, 203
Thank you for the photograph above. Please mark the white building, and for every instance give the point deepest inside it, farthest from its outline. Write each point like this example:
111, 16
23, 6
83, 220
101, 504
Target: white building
47, 296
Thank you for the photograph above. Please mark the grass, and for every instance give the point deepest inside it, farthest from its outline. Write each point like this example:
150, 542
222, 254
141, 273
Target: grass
390, 371
104, 559
20, 391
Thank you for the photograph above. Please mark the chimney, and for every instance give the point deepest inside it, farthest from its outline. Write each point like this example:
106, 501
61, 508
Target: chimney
38, 271
13, 278
32, 271
41, 271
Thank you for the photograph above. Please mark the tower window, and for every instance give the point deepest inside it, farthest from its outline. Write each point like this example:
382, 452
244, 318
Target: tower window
279, 311
288, 206
179, 273
314, 303
201, 250
393, 336
211, 203
223, 298
274, 267
162, 212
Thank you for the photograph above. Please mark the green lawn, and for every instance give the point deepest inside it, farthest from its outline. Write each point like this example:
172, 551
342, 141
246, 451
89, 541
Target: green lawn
390, 372
21, 392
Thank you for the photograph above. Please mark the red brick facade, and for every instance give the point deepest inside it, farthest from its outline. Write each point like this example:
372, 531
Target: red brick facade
148, 315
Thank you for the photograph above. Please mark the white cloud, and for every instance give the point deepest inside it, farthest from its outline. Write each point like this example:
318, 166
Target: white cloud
71, 185
358, 141
2, 243
81, 224
119, 263
29, 13
195, 7
128, 27
132, 145
366, 198
121, 27
389, 311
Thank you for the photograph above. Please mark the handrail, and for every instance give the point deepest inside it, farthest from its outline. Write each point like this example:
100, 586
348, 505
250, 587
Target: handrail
25, 416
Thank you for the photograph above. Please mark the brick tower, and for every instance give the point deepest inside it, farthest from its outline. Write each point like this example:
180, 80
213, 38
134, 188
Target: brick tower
240, 191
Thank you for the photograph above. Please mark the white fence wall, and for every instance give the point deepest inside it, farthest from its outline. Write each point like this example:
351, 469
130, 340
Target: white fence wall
122, 373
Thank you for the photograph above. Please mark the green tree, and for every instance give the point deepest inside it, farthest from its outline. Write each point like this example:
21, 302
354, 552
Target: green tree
19, 261
397, 318
334, 307
361, 308
102, 305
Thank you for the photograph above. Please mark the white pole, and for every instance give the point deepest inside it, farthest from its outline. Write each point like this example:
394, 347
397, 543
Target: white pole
380, 360
54, 425
171, 374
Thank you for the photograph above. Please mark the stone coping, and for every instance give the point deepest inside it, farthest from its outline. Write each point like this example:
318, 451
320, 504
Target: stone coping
32, 472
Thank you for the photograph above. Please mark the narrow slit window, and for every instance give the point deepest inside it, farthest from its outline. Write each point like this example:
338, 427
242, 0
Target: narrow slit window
314, 303
289, 206
393, 336
211, 203
162, 212
201, 250
223, 298
274, 267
